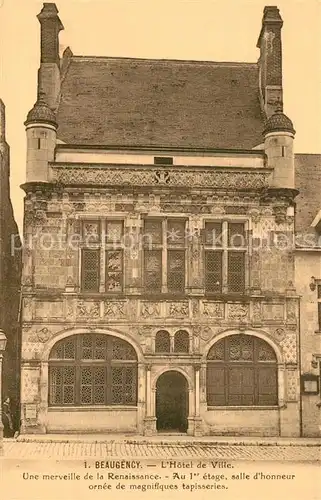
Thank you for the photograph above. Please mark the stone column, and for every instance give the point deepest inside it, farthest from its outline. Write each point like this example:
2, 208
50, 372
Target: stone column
132, 254
195, 278
141, 398
198, 431
44, 390
150, 419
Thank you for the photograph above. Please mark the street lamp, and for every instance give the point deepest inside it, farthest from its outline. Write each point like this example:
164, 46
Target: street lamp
3, 343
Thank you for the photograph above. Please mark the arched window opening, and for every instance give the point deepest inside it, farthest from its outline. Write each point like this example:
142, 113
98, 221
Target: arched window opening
162, 341
241, 371
92, 370
181, 341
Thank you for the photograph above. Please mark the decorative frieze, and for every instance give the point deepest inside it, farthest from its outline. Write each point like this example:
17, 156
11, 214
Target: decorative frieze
177, 177
213, 310
177, 309
48, 309
88, 309
272, 312
114, 309
237, 311
150, 309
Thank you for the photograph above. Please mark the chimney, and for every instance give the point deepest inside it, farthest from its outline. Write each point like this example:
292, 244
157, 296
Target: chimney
270, 61
49, 71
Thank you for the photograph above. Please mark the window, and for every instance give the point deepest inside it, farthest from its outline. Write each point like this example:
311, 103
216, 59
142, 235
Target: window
163, 160
225, 250
164, 250
162, 341
102, 256
92, 370
164, 345
181, 341
241, 371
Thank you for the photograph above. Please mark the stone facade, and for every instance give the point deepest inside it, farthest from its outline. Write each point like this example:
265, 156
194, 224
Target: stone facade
73, 191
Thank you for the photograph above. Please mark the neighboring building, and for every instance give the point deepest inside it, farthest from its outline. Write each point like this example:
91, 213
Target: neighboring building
10, 275
308, 284
146, 323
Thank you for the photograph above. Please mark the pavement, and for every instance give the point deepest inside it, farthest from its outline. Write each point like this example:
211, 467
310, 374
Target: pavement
69, 447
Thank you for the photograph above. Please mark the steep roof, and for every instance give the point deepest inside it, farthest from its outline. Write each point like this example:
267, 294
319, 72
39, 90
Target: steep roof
308, 182
119, 101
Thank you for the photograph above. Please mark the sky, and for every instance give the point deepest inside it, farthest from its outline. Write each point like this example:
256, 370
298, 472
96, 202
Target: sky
213, 30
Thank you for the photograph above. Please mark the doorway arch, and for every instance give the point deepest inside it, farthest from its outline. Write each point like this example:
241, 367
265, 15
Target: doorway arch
172, 402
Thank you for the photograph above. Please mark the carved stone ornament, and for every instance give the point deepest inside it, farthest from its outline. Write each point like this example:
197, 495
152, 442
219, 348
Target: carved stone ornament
257, 311
149, 177
178, 309
88, 309
237, 311
150, 309
114, 309
213, 309
206, 333
43, 335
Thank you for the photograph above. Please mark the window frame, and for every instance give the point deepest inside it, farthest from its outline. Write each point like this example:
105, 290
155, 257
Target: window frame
165, 248
103, 246
226, 251
226, 366
78, 363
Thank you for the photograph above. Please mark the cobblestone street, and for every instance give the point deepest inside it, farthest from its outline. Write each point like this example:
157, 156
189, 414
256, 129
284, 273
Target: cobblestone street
76, 449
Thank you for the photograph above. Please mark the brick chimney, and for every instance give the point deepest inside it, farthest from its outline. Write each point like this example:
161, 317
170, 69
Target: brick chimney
49, 71
270, 60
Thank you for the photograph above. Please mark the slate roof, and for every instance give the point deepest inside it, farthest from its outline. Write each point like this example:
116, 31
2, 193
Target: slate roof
144, 102
308, 182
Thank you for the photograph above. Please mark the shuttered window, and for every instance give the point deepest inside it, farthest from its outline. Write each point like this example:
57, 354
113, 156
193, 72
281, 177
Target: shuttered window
241, 371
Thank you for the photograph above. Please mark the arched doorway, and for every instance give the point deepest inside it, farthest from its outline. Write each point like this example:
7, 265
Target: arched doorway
172, 402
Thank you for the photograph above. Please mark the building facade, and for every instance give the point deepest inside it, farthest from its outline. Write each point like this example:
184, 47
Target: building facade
159, 278
308, 283
10, 276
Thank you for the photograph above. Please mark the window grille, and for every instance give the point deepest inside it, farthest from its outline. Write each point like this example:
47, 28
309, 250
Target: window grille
176, 270
241, 371
153, 270
114, 231
164, 255
236, 235
90, 270
213, 234
213, 271
181, 341
90, 378
162, 341
153, 232
236, 271
225, 252
175, 233
91, 232
100, 237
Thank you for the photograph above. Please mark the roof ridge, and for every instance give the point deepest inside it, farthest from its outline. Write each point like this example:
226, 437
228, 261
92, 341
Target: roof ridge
146, 59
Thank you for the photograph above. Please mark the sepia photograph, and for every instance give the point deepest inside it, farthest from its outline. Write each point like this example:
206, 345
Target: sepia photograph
160, 249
